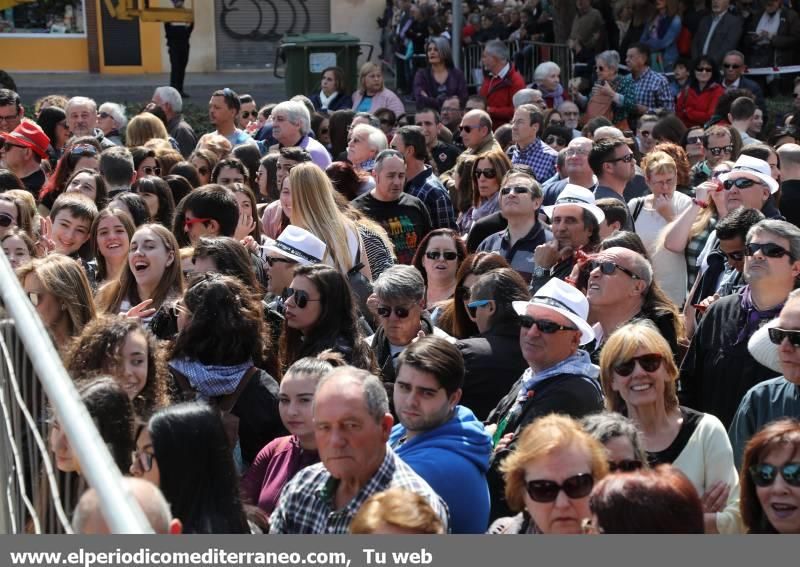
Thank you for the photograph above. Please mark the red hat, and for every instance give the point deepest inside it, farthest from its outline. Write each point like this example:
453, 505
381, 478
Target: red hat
30, 135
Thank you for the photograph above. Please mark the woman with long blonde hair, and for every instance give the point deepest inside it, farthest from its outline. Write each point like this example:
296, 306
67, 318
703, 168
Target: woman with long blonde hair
144, 127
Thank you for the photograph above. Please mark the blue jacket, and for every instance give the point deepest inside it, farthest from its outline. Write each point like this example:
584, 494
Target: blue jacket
453, 459
667, 42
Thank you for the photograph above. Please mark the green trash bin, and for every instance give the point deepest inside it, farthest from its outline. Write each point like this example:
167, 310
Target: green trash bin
306, 55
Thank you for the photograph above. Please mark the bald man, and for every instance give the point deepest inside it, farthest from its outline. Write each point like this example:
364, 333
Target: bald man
476, 132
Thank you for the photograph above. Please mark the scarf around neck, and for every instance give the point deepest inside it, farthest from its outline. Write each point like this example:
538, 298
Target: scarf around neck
211, 380
752, 319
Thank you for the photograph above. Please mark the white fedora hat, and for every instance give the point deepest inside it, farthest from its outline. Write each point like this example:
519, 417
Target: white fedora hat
576, 195
557, 295
754, 166
299, 245
763, 349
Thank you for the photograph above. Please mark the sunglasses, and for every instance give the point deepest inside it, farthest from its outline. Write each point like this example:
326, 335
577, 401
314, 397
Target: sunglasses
385, 311
578, 486
517, 190
768, 249
557, 140
741, 183
556, 123
608, 268
488, 173
736, 256
151, 170
187, 224
83, 150
720, 150
627, 159
645, 133
144, 460
6, 220
625, 465
703, 69
777, 335
249, 113
301, 298
765, 475
544, 326
473, 306
468, 129
694, 140
435, 255
104, 115
272, 260
718, 173
730, 66
648, 363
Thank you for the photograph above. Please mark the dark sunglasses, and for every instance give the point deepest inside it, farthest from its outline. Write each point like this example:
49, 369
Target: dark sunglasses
704, 69
83, 150
736, 256
473, 306
608, 268
625, 465
301, 298
765, 475
556, 123
386, 311
468, 129
768, 249
249, 113
777, 335
151, 170
544, 326
717, 151
517, 190
627, 159
557, 140
435, 255
104, 115
730, 66
741, 183
272, 260
694, 140
488, 173
578, 486
648, 362
6, 220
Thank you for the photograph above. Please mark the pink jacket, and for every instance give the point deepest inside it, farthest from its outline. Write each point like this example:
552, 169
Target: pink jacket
383, 99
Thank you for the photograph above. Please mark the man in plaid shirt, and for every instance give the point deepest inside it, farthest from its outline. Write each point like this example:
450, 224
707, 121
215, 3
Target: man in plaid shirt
651, 88
353, 423
421, 182
528, 149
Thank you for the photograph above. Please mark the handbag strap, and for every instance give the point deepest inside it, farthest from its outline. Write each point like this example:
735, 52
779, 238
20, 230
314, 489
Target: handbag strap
226, 403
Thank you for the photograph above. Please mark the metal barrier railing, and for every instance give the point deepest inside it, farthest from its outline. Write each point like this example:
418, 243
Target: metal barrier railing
36, 498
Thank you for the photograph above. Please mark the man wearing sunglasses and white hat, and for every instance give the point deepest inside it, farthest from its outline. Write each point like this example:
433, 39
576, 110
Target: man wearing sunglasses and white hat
294, 247
575, 224
560, 379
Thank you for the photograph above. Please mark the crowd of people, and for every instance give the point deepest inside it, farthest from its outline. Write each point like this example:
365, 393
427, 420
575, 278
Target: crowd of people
530, 309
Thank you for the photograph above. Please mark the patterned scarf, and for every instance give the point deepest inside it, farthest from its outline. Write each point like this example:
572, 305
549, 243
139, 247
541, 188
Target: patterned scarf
211, 381
751, 318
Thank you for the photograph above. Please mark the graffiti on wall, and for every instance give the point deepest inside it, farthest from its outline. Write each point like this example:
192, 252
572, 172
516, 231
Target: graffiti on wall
263, 20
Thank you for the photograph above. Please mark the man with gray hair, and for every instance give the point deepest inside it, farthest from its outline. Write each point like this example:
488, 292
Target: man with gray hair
82, 120
111, 120
291, 124
88, 518
529, 96
352, 424
399, 297
116, 167
170, 101
500, 83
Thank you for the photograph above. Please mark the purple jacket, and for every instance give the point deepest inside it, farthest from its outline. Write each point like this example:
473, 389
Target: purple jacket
455, 85
383, 99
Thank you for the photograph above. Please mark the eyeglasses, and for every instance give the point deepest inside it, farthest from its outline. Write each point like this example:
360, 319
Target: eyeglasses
720, 150
731, 66
447, 255
151, 170
703, 69
626, 158
301, 298
544, 326
187, 224
777, 335
104, 115
144, 460
468, 129
9, 118
599, 68
647, 362
572, 152
272, 260
517, 190
557, 140
488, 173
473, 306
735, 256
607, 267
249, 113
385, 311
556, 123
765, 475
694, 140
625, 465
578, 486
768, 249
6, 220
8, 145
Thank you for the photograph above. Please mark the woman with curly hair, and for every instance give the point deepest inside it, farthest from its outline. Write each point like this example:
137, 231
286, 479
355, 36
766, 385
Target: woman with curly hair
120, 347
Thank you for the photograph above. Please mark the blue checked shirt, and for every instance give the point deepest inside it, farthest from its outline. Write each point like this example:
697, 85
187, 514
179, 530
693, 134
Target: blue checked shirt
652, 90
306, 503
540, 157
427, 188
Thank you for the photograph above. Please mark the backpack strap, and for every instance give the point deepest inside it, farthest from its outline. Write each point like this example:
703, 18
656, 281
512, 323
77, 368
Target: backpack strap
637, 209
226, 403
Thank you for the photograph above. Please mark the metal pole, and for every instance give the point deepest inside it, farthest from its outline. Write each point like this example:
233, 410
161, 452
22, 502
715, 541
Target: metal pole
455, 33
121, 511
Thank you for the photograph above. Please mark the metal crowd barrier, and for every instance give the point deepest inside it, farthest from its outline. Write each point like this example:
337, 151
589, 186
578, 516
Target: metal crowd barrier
526, 56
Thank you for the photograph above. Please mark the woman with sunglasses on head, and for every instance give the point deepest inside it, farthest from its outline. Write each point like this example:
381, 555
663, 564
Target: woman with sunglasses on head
184, 451
319, 315
454, 318
549, 478
620, 437
770, 479
696, 104
79, 153
438, 258
110, 238
490, 168
639, 377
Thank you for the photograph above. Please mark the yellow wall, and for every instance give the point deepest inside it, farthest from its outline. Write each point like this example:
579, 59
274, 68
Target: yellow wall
45, 54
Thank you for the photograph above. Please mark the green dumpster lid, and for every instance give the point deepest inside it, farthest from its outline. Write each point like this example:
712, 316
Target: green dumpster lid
320, 38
